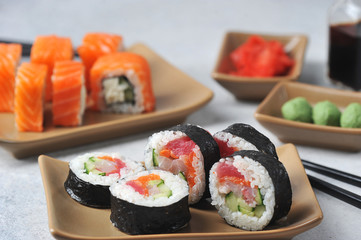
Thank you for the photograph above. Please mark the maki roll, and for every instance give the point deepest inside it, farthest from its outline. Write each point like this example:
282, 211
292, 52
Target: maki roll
91, 174
10, 55
240, 136
121, 83
250, 189
69, 94
186, 150
95, 45
29, 97
149, 202
47, 50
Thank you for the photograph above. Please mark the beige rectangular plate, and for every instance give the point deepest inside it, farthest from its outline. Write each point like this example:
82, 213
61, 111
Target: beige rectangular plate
177, 96
269, 115
71, 220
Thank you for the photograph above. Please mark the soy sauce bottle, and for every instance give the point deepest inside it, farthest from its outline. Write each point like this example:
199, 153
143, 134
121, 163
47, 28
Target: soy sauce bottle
344, 58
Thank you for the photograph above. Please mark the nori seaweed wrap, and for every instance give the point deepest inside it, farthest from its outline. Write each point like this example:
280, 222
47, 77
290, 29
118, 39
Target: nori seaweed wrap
88, 194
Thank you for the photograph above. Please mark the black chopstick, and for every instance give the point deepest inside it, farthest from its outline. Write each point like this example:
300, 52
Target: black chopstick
335, 191
26, 47
336, 174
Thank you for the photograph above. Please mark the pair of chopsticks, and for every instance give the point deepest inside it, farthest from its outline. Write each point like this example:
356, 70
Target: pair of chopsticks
331, 189
26, 47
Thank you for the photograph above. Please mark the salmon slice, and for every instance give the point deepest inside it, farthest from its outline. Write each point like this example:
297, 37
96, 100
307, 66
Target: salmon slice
69, 94
47, 50
95, 45
29, 97
12, 49
135, 69
10, 55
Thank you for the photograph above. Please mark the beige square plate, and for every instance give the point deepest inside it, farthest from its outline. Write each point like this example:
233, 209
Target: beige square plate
71, 220
256, 88
269, 115
177, 96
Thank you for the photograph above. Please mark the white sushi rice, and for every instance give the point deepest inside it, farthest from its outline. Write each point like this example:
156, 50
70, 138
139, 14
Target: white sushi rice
235, 141
126, 192
77, 166
114, 93
158, 140
257, 175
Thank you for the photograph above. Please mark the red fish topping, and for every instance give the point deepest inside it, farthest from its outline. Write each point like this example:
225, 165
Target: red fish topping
228, 172
182, 147
111, 165
229, 177
224, 149
140, 184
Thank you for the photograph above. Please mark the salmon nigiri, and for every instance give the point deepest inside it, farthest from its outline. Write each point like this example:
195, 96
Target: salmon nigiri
47, 50
69, 93
29, 97
121, 83
10, 55
95, 45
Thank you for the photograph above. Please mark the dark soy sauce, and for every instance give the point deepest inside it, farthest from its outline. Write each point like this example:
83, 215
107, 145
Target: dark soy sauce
345, 54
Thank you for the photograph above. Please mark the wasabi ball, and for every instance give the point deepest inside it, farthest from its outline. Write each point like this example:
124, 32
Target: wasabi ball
297, 109
326, 113
351, 117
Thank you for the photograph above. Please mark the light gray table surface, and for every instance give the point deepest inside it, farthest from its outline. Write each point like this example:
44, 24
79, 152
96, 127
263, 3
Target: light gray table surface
188, 34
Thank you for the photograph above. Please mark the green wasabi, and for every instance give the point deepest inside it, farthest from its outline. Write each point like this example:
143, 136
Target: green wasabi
297, 109
326, 113
351, 116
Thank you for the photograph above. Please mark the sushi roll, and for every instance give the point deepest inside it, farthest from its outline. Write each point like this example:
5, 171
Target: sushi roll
121, 83
69, 94
47, 50
240, 136
150, 202
91, 174
10, 55
29, 97
250, 189
187, 150
95, 45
